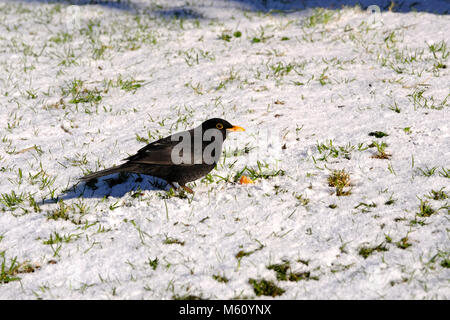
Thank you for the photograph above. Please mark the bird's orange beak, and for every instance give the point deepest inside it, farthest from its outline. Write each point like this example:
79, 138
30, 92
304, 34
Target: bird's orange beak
236, 128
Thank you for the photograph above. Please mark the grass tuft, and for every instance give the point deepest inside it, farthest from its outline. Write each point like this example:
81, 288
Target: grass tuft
340, 179
170, 240
381, 148
366, 251
284, 273
220, 278
9, 270
265, 288
425, 209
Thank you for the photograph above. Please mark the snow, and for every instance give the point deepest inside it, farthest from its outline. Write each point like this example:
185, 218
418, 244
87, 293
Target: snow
338, 79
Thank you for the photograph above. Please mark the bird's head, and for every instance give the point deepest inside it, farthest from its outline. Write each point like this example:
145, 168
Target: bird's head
220, 124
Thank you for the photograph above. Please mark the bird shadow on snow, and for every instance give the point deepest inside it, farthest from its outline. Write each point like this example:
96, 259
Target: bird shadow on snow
178, 12
113, 185
189, 12
431, 6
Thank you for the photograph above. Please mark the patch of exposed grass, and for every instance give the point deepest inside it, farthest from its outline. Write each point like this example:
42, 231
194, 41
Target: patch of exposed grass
263, 287
445, 263
391, 200
194, 56
55, 237
427, 172
127, 85
243, 253
153, 263
381, 148
81, 94
366, 251
419, 222
225, 36
425, 209
340, 179
9, 269
365, 207
62, 213
12, 200
61, 37
437, 195
262, 171
281, 270
378, 134
298, 276
170, 240
340, 267
172, 193
403, 243
284, 273
220, 278
395, 282
319, 16
303, 200
420, 100
445, 173
328, 149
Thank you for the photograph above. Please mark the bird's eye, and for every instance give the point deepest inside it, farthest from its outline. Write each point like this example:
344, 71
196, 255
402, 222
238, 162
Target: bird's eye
219, 126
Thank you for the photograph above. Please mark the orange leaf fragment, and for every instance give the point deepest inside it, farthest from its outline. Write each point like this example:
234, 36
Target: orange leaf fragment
245, 180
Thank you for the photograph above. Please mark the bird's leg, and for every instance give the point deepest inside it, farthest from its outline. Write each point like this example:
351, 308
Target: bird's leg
177, 186
172, 185
187, 189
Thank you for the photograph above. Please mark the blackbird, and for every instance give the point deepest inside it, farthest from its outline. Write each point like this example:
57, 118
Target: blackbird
180, 158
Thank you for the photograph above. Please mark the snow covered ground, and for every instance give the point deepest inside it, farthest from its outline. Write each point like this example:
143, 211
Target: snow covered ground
347, 138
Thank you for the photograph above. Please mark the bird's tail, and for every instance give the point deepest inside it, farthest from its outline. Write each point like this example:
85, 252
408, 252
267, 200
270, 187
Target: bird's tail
101, 173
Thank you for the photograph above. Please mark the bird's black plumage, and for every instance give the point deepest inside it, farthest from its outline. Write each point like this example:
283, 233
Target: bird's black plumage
180, 157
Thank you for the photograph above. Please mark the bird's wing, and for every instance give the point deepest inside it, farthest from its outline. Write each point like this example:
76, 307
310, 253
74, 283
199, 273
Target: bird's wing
158, 152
